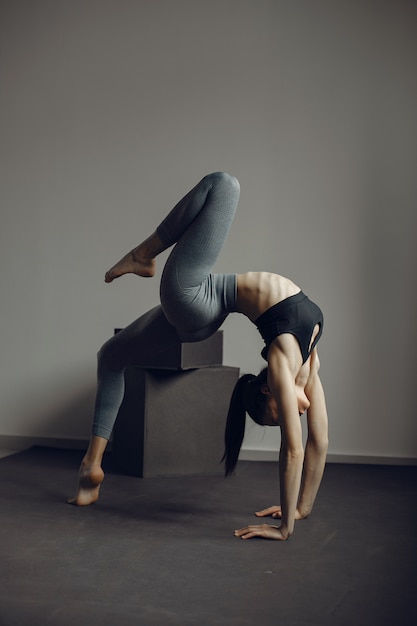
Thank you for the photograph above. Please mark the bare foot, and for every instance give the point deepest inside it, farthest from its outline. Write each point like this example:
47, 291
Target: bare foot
89, 481
135, 262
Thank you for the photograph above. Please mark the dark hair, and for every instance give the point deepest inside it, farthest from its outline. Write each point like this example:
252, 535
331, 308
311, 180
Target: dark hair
246, 398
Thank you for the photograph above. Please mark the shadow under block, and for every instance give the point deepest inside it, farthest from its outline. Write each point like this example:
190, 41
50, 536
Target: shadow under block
172, 423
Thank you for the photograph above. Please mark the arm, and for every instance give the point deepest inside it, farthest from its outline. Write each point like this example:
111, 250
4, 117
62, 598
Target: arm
281, 384
315, 450
316, 446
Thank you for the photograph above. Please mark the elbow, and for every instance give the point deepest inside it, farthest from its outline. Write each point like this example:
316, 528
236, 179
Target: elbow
293, 454
323, 444
320, 446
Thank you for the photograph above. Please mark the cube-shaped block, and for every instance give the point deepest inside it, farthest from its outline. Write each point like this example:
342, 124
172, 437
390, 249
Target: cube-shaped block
188, 355
172, 423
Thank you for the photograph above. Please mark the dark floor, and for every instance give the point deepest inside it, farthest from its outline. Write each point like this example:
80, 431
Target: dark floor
161, 551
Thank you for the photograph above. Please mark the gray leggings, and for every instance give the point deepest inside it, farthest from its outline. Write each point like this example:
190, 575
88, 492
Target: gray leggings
194, 302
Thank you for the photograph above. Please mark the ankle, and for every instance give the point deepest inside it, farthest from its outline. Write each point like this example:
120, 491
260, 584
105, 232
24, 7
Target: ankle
150, 248
90, 461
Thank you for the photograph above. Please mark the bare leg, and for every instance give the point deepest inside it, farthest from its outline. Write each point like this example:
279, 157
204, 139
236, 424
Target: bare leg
90, 475
139, 261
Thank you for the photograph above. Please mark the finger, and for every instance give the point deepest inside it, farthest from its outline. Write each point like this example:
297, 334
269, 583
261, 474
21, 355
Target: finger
249, 535
251, 528
246, 533
247, 530
269, 511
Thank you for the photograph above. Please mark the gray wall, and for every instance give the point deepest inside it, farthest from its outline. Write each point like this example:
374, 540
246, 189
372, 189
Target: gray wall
112, 109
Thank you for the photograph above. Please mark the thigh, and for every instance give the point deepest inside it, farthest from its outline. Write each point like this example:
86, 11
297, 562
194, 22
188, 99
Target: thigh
213, 204
139, 343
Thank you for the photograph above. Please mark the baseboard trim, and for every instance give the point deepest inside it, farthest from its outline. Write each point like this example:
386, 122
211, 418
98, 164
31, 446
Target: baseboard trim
357, 459
16, 443
370, 460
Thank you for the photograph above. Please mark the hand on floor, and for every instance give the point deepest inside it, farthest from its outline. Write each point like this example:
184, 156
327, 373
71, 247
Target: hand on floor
263, 530
275, 511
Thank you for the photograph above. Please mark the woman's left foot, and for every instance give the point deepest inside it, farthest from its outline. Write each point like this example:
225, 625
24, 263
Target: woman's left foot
89, 481
133, 263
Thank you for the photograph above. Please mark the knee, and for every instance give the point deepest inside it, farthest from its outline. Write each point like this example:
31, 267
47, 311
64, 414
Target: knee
108, 361
101, 356
223, 179
104, 355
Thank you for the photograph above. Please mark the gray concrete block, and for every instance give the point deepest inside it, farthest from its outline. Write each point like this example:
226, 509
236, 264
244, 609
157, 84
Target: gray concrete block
189, 355
172, 423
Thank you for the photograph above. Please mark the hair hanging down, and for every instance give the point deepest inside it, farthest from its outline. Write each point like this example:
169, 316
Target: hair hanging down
246, 398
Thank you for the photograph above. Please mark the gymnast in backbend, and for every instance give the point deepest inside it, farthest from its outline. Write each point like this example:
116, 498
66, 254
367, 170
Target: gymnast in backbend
194, 304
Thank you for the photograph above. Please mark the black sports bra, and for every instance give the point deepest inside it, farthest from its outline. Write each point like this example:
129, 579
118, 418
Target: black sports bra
296, 315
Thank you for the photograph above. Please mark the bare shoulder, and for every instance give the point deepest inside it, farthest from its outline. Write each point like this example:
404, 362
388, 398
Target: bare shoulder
317, 419
312, 379
314, 362
308, 371
313, 365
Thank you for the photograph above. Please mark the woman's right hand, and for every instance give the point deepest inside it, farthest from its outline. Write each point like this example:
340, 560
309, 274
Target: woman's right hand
264, 531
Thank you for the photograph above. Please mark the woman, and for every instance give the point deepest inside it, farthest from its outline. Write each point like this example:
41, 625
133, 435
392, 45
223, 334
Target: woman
194, 304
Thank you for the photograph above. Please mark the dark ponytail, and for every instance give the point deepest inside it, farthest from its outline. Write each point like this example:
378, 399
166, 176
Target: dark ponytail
235, 424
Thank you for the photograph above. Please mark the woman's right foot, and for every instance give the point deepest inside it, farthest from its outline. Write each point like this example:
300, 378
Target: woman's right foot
89, 481
133, 263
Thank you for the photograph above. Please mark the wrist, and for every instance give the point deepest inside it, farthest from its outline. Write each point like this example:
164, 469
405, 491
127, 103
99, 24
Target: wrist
304, 511
285, 531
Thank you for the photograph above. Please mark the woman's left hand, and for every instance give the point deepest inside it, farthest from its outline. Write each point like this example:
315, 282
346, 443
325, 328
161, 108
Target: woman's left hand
263, 530
275, 511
